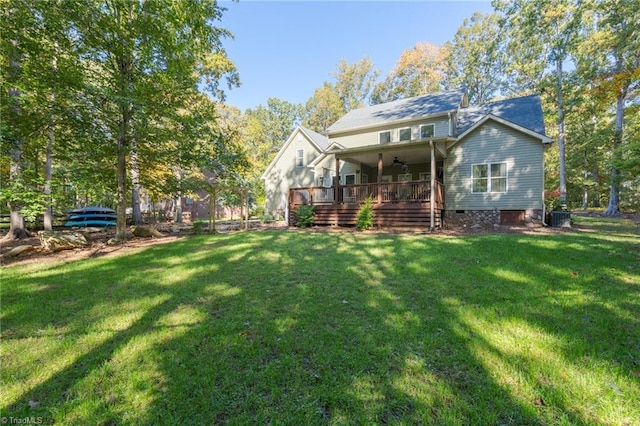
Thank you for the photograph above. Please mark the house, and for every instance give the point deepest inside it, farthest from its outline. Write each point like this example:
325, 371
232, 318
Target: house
424, 160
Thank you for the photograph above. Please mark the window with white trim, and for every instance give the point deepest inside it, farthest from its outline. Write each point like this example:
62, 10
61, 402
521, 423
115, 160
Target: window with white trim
300, 158
405, 134
385, 137
427, 131
490, 177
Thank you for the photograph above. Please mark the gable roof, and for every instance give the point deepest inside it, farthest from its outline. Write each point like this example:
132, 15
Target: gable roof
524, 112
400, 110
320, 142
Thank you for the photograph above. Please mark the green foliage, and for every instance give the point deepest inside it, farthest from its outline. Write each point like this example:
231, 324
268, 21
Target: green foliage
418, 71
355, 82
323, 109
305, 215
476, 58
365, 219
197, 228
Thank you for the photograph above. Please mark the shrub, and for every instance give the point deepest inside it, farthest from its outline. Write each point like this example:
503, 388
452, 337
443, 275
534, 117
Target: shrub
197, 228
305, 216
365, 217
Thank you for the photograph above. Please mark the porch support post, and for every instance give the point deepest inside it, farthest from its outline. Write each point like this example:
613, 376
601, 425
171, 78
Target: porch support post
336, 182
380, 178
432, 196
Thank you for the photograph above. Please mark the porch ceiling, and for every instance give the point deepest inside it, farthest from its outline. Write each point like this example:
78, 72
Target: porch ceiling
412, 153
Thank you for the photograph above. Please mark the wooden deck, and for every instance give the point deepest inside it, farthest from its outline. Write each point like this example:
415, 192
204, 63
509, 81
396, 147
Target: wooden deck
395, 204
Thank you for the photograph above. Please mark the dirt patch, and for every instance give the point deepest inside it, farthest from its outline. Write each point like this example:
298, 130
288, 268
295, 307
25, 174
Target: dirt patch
96, 247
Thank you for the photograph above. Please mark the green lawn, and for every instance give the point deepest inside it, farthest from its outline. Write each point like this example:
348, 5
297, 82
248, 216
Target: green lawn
297, 328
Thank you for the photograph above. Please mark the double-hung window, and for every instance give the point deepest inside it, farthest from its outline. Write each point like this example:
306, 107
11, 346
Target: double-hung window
385, 137
489, 177
300, 158
427, 131
405, 134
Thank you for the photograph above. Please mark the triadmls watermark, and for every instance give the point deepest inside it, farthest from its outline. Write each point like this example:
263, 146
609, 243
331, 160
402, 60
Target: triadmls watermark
21, 420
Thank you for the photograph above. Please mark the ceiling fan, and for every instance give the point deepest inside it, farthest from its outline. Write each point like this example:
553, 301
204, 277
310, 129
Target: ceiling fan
397, 162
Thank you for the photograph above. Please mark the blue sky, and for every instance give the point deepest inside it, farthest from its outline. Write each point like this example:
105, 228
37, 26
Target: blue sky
287, 49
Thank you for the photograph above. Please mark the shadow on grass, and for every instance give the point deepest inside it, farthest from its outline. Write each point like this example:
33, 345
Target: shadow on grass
290, 327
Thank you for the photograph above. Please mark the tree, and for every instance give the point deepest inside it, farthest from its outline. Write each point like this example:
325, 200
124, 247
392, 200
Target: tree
476, 58
610, 58
323, 109
355, 82
33, 72
146, 59
268, 127
419, 70
551, 26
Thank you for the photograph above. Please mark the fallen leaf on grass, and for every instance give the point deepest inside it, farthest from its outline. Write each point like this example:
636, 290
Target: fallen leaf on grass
539, 402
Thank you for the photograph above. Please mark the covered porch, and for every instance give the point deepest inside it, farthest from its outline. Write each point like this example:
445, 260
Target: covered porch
407, 187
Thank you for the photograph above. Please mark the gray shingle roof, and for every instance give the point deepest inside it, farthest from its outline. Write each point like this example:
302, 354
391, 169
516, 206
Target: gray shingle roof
525, 111
320, 140
410, 108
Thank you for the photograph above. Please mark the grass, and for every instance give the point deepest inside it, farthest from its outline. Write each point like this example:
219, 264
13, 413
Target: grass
321, 328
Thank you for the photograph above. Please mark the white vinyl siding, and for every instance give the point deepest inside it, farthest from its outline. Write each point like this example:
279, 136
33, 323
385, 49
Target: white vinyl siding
286, 174
494, 143
375, 136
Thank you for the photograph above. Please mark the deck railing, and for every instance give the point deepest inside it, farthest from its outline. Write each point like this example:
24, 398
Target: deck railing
418, 191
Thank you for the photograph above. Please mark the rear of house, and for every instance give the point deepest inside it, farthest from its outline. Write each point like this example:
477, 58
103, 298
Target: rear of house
424, 160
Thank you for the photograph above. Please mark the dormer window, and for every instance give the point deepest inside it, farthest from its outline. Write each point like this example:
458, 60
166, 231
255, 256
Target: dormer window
385, 137
427, 131
405, 134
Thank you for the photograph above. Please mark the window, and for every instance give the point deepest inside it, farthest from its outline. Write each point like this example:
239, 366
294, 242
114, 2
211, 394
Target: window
427, 131
425, 176
349, 179
385, 137
489, 177
405, 134
300, 158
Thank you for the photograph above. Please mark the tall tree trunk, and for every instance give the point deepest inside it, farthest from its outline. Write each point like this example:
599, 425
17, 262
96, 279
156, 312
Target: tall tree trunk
48, 213
614, 193
135, 185
124, 61
585, 187
121, 178
561, 146
16, 226
48, 225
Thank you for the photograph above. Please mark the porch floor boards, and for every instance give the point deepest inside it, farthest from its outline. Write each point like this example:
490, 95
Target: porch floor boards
386, 214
